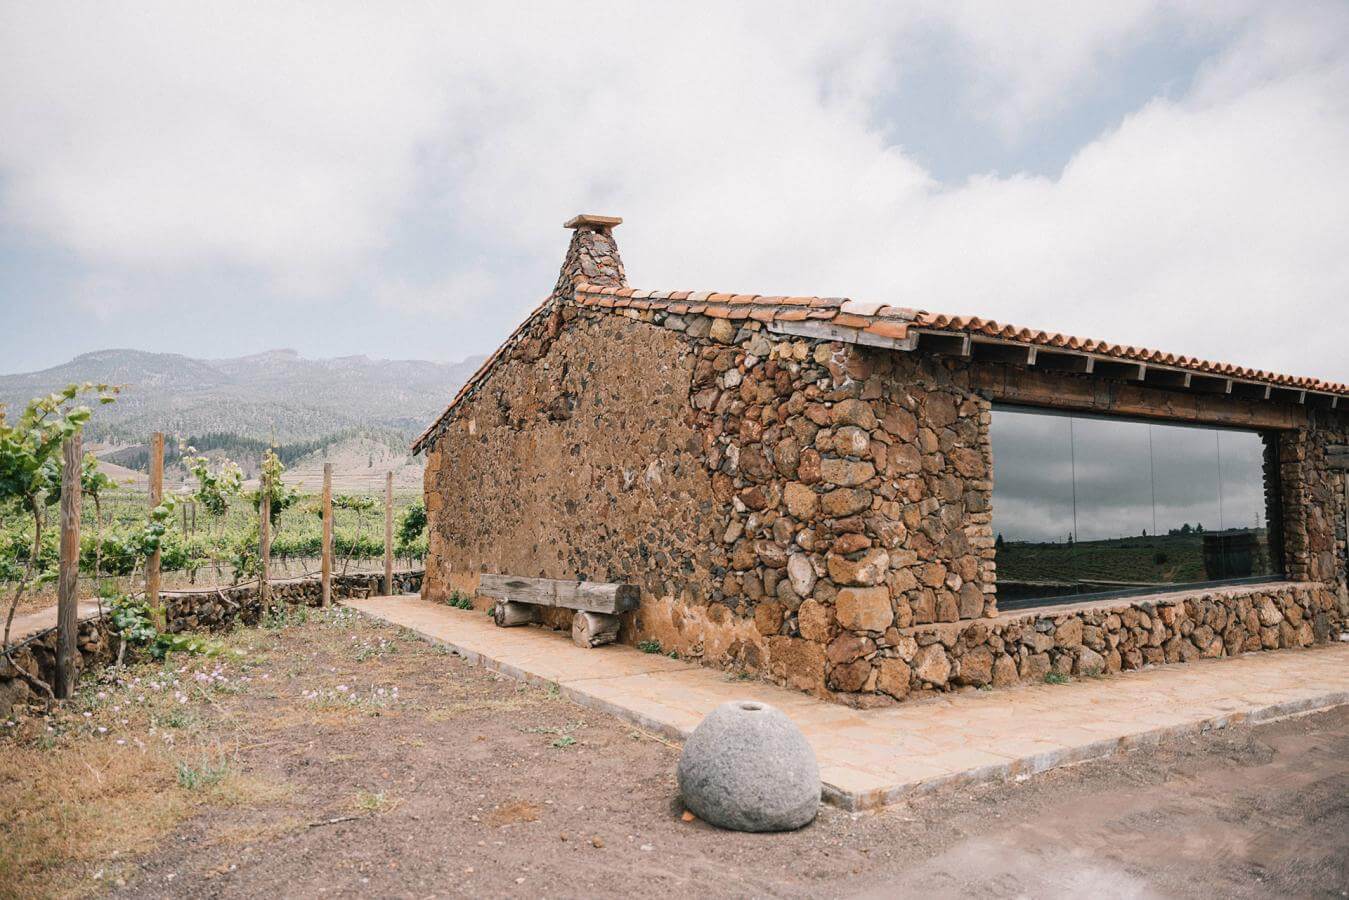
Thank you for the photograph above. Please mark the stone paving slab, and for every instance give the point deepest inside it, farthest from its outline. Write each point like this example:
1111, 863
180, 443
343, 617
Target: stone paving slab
869, 758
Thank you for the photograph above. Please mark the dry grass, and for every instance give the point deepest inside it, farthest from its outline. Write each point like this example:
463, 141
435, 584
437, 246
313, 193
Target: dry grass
71, 806
103, 777
317, 723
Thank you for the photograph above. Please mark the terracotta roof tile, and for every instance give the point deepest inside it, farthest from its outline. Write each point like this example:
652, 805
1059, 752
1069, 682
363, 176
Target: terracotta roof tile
889, 329
873, 318
897, 321
848, 320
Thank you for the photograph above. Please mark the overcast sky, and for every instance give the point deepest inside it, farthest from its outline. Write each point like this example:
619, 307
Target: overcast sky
392, 179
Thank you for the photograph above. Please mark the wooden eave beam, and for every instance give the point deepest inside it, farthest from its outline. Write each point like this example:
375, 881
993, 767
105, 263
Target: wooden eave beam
1321, 400
986, 349
1123, 369
1060, 360
1170, 378
1210, 384
944, 342
1288, 395
1250, 390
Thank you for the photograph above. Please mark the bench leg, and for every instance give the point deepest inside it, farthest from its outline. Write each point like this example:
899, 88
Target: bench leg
506, 614
590, 629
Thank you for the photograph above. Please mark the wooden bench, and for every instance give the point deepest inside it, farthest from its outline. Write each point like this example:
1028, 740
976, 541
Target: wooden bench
597, 605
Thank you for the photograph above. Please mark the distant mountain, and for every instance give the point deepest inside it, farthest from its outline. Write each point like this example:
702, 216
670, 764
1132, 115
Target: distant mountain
273, 395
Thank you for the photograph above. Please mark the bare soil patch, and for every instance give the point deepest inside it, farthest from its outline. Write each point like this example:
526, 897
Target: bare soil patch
339, 756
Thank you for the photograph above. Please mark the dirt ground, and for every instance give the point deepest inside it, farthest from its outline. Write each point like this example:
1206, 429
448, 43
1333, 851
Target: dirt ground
335, 756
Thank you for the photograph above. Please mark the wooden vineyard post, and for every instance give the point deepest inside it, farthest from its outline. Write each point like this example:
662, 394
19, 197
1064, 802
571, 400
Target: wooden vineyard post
156, 498
67, 589
326, 578
264, 541
388, 534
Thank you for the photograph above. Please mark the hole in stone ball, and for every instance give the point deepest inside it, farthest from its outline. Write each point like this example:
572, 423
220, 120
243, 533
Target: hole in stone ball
751, 707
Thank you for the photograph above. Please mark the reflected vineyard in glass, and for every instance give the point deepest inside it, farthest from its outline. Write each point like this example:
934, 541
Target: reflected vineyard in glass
1089, 505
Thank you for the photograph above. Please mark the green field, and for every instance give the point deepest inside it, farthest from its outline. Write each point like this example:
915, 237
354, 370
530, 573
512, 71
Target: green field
1043, 569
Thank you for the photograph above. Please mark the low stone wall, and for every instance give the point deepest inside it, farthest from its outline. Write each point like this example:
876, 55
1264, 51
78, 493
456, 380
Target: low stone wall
202, 610
218, 608
1092, 639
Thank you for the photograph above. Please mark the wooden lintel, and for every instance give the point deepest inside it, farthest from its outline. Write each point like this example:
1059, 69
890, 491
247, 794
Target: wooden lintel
1337, 457
1057, 390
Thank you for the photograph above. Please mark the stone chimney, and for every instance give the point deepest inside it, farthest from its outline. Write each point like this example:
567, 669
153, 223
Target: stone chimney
592, 256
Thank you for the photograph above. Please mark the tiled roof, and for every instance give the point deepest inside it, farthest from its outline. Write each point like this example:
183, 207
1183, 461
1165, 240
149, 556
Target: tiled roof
897, 322
879, 320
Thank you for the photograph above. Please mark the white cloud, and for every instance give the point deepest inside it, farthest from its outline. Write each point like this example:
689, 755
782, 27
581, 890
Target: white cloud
456, 296
740, 142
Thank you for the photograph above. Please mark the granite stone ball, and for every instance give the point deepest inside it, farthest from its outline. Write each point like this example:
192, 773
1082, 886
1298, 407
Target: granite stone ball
747, 767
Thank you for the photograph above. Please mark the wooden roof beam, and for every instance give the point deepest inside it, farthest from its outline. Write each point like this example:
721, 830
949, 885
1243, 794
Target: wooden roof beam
1250, 390
1171, 378
945, 343
1288, 395
1210, 384
993, 350
1059, 360
1123, 369
1321, 400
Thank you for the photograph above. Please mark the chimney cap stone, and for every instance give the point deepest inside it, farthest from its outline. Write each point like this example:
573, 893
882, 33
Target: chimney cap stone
583, 221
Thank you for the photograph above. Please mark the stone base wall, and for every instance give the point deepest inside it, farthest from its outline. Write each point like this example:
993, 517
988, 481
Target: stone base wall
1100, 638
201, 610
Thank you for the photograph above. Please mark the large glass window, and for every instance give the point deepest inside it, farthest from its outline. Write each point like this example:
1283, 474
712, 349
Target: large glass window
1093, 505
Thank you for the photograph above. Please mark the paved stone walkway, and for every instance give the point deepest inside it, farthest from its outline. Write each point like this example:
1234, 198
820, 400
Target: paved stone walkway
872, 757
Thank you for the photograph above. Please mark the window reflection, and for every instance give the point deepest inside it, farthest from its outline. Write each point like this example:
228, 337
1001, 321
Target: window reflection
1084, 505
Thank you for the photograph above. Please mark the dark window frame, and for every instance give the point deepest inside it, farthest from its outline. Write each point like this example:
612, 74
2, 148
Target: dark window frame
1274, 524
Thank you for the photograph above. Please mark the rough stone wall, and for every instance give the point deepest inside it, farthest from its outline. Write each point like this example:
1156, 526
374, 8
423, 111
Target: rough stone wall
96, 640
586, 464
784, 504
1312, 501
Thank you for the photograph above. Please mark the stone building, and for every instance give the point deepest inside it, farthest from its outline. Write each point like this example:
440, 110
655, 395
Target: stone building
813, 490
